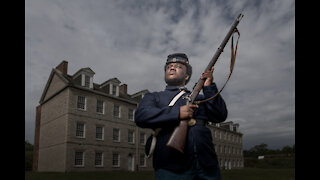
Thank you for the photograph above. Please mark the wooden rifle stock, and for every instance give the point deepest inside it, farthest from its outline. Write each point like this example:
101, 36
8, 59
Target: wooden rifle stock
178, 137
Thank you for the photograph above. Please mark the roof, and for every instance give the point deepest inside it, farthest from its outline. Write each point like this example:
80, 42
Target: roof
70, 81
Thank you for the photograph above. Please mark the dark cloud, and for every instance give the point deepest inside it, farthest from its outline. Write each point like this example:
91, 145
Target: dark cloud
127, 39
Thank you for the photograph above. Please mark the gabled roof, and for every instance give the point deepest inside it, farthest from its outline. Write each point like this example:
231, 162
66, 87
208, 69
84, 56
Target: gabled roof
70, 81
113, 80
53, 72
86, 70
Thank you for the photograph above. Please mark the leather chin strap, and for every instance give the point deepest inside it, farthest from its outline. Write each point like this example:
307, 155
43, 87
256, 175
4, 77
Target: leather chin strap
233, 59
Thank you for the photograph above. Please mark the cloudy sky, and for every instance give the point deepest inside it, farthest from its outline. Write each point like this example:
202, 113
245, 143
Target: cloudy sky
130, 40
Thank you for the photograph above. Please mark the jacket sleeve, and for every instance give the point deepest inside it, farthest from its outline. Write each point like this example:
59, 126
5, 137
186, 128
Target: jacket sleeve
149, 115
216, 108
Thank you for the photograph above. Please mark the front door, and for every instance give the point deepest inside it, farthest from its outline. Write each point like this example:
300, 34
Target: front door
130, 163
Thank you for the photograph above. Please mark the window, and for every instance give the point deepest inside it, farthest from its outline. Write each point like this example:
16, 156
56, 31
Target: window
79, 158
100, 106
142, 138
131, 136
130, 114
116, 111
114, 90
80, 130
99, 132
98, 160
116, 135
142, 160
115, 159
81, 103
86, 81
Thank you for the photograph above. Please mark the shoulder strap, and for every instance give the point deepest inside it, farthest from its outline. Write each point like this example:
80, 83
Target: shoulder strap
174, 100
156, 132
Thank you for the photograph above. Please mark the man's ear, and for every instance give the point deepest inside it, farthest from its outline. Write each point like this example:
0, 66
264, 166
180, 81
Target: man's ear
187, 77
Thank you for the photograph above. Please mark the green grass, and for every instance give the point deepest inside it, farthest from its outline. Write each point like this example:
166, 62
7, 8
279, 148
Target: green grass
234, 174
258, 174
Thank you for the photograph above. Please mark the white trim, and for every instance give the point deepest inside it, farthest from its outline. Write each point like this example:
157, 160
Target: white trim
85, 103
117, 90
102, 157
131, 166
91, 82
110, 88
133, 111
144, 160
84, 130
83, 158
83, 79
103, 106
119, 139
133, 136
119, 115
117, 165
102, 132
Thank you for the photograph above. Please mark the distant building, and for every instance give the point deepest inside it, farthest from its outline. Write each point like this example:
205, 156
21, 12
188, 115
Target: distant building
84, 126
228, 144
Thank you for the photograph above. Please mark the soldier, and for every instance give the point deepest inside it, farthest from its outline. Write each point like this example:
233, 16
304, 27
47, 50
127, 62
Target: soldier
199, 160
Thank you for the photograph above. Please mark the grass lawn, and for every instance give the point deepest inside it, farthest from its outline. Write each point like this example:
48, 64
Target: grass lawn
234, 174
258, 174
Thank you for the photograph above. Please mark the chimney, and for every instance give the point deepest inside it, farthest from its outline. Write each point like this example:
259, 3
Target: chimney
123, 88
63, 67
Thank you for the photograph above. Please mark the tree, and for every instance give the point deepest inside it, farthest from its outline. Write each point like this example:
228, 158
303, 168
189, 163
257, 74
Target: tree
287, 150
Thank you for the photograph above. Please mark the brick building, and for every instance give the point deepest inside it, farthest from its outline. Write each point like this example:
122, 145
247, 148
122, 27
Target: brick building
84, 126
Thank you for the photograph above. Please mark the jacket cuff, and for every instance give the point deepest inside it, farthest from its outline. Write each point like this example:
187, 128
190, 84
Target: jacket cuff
210, 90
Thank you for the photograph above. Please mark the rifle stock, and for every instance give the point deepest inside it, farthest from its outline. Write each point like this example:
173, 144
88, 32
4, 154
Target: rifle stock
178, 137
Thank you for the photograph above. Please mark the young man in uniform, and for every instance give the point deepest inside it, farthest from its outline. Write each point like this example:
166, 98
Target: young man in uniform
199, 160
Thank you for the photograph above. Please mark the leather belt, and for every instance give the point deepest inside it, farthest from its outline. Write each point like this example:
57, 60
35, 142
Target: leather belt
201, 122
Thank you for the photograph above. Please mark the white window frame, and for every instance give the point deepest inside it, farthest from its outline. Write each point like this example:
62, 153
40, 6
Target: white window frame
87, 81
83, 159
144, 138
133, 136
144, 160
116, 165
133, 111
103, 104
116, 140
85, 103
102, 157
83, 79
84, 130
119, 113
101, 132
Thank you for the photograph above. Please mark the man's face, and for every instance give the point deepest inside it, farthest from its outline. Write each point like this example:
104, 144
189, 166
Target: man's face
176, 74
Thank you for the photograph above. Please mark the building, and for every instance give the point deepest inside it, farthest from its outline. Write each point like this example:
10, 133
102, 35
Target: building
84, 126
228, 144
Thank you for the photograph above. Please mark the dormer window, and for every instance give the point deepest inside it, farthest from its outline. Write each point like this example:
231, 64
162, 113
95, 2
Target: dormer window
111, 86
84, 77
86, 81
114, 90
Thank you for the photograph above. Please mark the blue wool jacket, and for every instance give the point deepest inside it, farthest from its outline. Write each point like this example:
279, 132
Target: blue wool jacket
153, 112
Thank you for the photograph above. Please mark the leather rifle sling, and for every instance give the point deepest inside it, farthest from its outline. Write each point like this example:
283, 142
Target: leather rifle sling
233, 59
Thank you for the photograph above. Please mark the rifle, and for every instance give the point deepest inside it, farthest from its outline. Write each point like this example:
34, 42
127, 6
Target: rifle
179, 135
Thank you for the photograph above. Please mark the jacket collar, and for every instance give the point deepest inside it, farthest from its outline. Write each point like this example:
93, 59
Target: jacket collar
175, 88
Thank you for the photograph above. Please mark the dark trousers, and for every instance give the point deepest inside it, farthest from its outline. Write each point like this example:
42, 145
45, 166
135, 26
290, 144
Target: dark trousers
194, 173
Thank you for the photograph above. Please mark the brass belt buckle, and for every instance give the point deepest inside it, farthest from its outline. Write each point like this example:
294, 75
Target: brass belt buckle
191, 122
